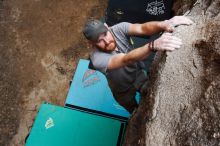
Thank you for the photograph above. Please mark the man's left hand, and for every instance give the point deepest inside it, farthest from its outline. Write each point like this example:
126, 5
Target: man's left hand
169, 25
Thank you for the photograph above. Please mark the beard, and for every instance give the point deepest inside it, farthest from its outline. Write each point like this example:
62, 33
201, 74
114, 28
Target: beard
111, 46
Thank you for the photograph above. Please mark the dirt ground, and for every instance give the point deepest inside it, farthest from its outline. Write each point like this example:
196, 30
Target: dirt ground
40, 44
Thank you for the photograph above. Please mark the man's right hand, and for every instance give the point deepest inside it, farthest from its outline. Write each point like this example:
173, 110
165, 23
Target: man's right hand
167, 42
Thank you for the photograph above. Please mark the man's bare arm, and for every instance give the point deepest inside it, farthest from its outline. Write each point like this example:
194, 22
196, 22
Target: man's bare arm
148, 28
153, 27
166, 42
122, 59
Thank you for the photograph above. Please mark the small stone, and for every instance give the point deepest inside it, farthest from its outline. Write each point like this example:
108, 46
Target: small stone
216, 135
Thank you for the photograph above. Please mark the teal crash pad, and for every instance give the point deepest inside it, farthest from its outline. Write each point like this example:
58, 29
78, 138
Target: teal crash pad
58, 126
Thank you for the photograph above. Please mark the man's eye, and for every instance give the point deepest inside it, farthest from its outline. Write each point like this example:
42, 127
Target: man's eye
105, 33
98, 41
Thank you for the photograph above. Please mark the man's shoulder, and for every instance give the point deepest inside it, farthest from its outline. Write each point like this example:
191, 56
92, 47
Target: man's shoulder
98, 55
97, 52
100, 60
122, 27
121, 24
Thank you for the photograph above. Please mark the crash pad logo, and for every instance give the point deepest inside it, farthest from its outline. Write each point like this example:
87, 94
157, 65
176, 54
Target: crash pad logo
156, 8
90, 77
49, 123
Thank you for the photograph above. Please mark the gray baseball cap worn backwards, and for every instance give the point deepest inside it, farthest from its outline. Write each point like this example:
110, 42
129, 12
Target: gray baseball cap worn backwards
93, 28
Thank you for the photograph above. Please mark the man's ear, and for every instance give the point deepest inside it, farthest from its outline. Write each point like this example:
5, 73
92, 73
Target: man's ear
92, 45
106, 25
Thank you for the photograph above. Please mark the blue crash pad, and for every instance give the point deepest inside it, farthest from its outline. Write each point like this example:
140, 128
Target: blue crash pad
90, 91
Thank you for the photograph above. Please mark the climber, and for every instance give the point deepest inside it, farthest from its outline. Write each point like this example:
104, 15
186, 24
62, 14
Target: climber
115, 57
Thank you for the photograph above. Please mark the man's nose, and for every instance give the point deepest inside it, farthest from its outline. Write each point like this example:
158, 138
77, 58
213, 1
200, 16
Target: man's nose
106, 40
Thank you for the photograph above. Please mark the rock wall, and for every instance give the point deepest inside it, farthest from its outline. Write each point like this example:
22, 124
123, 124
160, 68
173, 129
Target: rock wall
181, 101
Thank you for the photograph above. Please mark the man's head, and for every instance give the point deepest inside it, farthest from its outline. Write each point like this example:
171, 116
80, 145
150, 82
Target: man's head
99, 35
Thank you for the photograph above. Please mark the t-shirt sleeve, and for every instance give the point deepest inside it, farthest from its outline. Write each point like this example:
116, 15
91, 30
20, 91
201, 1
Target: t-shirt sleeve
100, 60
121, 28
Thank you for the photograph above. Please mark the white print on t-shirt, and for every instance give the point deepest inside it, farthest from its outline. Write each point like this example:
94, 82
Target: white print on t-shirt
156, 8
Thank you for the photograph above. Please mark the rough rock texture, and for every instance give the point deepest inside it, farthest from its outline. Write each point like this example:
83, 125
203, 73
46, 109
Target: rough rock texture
183, 92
